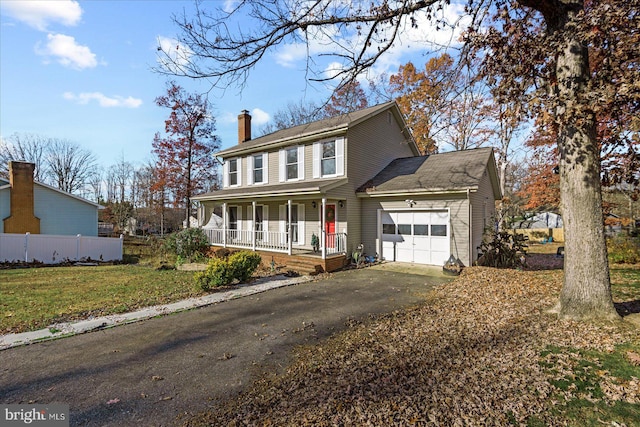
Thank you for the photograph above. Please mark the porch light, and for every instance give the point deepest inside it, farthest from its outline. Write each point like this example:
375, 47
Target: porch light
314, 204
410, 203
341, 204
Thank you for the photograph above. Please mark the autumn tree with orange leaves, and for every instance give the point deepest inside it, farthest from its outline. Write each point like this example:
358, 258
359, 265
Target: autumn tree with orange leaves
185, 153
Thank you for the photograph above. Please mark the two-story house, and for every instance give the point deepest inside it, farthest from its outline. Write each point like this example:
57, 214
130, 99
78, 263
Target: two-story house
350, 180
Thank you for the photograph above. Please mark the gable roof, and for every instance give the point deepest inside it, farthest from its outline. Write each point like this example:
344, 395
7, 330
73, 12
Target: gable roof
5, 184
333, 126
435, 173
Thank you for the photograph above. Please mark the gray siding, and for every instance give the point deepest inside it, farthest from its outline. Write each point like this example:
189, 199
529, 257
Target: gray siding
372, 145
483, 207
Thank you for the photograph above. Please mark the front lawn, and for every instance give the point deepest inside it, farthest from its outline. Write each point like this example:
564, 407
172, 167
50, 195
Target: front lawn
34, 298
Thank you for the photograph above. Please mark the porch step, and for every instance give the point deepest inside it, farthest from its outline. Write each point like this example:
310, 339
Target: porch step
302, 264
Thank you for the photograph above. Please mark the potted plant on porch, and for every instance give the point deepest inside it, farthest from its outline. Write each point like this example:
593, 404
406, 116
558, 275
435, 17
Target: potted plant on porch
315, 242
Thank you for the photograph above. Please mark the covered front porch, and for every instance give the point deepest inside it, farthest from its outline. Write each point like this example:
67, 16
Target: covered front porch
292, 239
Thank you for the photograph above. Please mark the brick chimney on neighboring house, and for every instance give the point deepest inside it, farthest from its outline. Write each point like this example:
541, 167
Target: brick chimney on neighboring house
22, 218
244, 127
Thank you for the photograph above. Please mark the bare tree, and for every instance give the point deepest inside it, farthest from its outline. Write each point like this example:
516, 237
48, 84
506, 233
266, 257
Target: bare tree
70, 165
294, 114
96, 184
25, 147
122, 173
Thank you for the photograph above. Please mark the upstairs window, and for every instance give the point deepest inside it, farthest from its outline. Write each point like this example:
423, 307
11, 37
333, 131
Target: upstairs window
292, 163
328, 158
258, 169
231, 173
328, 163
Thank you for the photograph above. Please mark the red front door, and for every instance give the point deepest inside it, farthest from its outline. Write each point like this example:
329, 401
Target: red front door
330, 225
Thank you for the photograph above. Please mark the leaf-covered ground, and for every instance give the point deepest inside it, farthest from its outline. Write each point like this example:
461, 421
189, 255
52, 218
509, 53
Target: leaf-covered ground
481, 351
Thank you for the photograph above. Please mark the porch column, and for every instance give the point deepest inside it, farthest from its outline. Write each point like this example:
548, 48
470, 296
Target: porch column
323, 228
224, 224
253, 225
290, 234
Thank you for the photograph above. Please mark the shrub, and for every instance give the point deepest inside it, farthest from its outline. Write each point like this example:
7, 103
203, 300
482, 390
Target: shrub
243, 264
501, 249
623, 249
188, 244
220, 271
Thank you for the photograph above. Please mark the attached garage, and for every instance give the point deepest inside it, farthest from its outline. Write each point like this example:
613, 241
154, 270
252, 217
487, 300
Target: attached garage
421, 237
425, 209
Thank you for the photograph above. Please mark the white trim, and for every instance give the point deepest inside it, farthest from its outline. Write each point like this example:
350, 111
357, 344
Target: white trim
282, 165
340, 156
250, 166
300, 162
317, 148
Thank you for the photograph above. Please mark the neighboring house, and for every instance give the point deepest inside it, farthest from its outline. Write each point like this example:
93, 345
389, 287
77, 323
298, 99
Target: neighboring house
357, 178
541, 220
30, 206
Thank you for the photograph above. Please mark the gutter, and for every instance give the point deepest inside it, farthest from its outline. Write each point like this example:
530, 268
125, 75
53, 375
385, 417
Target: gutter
392, 193
231, 152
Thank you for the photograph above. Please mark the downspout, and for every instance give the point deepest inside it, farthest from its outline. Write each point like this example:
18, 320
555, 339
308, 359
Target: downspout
253, 225
224, 224
470, 228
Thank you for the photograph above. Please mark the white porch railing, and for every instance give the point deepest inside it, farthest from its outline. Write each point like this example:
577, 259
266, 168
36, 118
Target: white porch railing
336, 243
272, 241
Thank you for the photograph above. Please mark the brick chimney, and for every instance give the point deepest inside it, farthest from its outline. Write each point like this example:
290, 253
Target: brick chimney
244, 127
22, 218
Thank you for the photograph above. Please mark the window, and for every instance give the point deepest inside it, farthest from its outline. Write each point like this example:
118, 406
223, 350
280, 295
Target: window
294, 222
259, 222
233, 217
258, 169
388, 228
420, 230
328, 163
439, 230
404, 229
328, 158
292, 163
233, 172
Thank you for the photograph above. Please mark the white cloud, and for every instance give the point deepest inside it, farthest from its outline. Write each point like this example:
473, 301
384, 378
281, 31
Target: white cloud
103, 100
67, 52
40, 13
171, 54
259, 117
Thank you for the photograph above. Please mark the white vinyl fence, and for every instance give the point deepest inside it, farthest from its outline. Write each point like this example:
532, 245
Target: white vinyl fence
51, 249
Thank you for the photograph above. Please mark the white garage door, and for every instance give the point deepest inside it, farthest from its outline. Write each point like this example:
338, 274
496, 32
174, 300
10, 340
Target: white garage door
416, 236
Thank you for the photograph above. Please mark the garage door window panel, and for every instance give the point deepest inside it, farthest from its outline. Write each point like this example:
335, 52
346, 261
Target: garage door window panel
439, 230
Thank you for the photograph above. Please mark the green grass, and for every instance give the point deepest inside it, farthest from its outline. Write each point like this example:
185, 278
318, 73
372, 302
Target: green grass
580, 378
35, 298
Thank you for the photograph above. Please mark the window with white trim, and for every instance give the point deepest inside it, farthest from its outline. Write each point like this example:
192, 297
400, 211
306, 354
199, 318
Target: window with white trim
328, 161
292, 163
328, 158
233, 172
258, 169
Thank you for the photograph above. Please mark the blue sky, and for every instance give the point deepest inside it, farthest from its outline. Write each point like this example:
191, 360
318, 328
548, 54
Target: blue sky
82, 71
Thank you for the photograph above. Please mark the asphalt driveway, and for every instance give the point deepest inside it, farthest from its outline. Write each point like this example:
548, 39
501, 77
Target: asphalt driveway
151, 372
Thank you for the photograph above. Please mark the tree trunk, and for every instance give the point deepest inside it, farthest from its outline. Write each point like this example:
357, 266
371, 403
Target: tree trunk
586, 292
